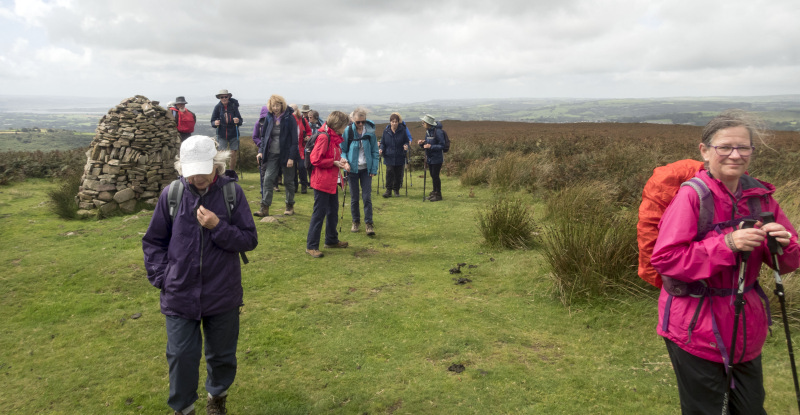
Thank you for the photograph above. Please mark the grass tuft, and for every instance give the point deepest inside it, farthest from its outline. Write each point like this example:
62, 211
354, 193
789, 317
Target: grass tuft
62, 198
507, 223
589, 243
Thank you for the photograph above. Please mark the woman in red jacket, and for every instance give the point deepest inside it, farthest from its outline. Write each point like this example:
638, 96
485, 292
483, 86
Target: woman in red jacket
327, 160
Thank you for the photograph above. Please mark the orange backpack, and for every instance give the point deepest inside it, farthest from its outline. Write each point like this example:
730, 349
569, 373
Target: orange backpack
656, 196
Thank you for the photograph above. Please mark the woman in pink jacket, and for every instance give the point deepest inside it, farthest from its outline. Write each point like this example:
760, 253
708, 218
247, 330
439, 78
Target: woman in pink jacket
698, 328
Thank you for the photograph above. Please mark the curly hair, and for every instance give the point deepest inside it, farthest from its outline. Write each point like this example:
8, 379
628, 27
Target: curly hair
279, 99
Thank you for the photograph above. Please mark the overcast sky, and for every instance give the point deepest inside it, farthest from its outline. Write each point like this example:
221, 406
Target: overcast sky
371, 51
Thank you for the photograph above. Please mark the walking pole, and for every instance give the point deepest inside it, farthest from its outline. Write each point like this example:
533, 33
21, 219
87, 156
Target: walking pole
425, 176
410, 175
378, 189
775, 249
344, 198
739, 305
405, 171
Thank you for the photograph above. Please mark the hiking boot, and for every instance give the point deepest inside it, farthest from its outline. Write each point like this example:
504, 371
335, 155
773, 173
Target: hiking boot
216, 405
354, 228
340, 244
264, 212
304, 189
289, 210
396, 193
387, 193
437, 196
370, 230
315, 253
276, 189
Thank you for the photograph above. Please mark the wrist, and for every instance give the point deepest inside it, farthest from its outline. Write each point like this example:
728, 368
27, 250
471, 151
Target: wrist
731, 243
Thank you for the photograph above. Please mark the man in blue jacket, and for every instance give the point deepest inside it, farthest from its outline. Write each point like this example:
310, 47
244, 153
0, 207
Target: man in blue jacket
227, 119
194, 260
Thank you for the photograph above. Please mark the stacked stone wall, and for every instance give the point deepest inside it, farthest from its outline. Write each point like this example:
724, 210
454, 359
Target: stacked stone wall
130, 159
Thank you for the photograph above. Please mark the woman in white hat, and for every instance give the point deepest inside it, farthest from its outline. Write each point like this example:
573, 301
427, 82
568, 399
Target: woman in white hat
204, 231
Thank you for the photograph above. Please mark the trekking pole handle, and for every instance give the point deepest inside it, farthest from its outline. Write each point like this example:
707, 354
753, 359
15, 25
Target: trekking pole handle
772, 243
747, 224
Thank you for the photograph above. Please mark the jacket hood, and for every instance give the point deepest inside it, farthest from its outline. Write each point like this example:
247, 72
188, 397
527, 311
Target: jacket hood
750, 185
264, 111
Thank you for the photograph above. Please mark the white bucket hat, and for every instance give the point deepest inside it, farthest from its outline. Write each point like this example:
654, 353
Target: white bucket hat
197, 155
223, 92
428, 119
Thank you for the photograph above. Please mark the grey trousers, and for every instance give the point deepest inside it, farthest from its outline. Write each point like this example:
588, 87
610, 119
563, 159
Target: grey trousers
270, 168
184, 345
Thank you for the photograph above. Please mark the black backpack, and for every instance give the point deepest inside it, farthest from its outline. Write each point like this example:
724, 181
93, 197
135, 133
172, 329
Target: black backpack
446, 146
312, 141
175, 195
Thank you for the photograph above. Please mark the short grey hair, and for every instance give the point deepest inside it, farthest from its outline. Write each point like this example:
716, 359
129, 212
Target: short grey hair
734, 118
220, 162
359, 111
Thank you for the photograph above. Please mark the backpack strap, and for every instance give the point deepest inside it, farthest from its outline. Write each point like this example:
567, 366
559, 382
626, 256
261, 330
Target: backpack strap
229, 192
174, 196
705, 218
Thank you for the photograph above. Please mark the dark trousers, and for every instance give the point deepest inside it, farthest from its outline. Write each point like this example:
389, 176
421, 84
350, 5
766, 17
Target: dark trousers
184, 345
363, 179
394, 177
326, 208
304, 176
437, 182
701, 384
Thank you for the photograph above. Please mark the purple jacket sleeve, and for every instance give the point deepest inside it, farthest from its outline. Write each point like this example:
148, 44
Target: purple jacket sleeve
240, 234
156, 241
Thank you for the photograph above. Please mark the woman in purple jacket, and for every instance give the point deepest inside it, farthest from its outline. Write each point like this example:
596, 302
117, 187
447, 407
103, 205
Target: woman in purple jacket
194, 260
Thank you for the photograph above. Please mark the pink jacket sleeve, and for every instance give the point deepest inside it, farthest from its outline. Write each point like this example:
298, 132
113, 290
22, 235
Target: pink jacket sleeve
676, 253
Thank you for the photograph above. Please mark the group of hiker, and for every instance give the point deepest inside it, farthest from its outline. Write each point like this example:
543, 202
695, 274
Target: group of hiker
202, 221
706, 228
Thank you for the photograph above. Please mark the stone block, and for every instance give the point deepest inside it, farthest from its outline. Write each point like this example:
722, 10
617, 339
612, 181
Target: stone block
124, 195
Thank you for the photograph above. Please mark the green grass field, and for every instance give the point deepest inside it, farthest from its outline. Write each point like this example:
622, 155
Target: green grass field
371, 329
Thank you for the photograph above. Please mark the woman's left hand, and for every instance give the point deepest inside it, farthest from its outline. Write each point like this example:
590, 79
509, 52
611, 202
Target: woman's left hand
207, 218
779, 232
290, 163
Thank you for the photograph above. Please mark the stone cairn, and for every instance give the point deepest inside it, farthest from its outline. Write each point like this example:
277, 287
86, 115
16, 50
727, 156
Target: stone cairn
131, 158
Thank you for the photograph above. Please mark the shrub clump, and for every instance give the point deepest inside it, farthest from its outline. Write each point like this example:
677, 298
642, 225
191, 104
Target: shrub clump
590, 243
62, 198
508, 223
477, 173
513, 171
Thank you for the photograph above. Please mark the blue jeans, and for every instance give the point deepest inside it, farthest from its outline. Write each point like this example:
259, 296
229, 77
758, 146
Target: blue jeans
326, 208
365, 180
184, 345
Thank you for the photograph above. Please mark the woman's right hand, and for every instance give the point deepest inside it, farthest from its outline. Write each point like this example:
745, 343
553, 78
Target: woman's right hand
259, 157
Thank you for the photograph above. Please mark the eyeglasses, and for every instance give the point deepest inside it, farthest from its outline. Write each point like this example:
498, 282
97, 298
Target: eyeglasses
360, 122
728, 150
225, 97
